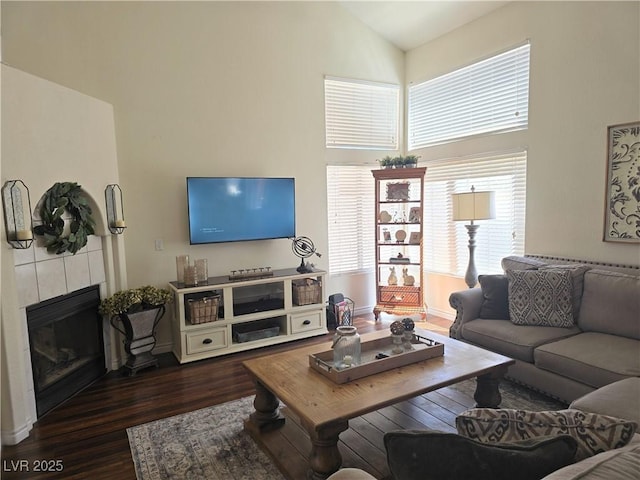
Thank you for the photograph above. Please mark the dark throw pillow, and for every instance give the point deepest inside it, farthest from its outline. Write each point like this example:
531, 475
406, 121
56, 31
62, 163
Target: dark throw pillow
429, 455
495, 296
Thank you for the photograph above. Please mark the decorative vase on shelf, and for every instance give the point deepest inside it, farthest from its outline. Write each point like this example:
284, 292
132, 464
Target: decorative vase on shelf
181, 262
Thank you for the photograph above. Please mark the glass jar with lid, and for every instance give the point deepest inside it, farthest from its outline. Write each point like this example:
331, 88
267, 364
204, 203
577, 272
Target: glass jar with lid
346, 347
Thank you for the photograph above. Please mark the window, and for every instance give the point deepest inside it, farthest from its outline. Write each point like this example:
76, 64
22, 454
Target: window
361, 115
351, 212
446, 243
489, 96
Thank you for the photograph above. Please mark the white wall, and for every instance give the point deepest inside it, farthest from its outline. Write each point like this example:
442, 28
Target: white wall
203, 88
585, 76
51, 134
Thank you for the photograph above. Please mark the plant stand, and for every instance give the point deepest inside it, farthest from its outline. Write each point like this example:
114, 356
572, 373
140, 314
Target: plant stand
139, 330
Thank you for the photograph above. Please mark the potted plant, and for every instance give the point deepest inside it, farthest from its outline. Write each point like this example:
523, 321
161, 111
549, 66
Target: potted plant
397, 161
386, 162
135, 313
410, 161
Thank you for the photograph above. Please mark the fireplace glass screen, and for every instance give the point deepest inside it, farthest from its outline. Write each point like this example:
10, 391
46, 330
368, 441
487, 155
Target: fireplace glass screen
67, 349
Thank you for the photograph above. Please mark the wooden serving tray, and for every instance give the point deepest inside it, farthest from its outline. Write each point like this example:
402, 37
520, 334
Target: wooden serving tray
423, 349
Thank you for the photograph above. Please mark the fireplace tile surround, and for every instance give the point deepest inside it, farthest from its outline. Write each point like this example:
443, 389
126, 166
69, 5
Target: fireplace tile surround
41, 276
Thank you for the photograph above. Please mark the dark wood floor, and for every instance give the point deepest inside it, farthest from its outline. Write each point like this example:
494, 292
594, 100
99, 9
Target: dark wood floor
87, 434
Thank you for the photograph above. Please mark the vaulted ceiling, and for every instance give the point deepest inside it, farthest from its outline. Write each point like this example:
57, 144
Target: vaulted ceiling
411, 24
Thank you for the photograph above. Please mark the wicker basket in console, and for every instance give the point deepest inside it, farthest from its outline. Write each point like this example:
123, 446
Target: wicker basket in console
307, 291
203, 310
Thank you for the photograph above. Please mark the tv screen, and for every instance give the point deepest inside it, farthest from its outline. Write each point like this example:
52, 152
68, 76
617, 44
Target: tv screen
232, 209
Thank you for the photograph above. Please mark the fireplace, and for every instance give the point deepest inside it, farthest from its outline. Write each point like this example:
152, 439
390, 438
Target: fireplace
67, 348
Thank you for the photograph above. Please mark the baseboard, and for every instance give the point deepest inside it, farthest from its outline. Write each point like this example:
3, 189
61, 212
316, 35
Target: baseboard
163, 348
16, 436
446, 314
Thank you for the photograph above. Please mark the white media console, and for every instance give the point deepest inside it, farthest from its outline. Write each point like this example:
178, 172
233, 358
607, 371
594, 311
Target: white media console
251, 313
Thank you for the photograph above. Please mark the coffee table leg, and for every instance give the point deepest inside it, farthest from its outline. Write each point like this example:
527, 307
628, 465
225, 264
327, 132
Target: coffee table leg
325, 457
267, 416
487, 393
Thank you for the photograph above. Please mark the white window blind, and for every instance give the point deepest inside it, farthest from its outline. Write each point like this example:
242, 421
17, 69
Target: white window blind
361, 115
446, 243
489, 96
350, 205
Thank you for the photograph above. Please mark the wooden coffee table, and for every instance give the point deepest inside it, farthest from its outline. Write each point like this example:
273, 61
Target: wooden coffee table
325, 407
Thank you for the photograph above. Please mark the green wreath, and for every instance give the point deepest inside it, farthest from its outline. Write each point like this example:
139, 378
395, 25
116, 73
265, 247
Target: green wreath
61, 197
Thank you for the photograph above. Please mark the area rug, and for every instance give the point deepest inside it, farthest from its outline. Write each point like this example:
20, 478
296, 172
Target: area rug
211, 444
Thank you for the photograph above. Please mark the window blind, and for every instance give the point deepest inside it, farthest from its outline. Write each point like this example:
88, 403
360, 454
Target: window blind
445, 241
489, 96
351, 218
361, 115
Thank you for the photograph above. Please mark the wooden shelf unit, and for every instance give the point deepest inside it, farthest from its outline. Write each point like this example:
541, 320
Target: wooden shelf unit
248, 308
399, 195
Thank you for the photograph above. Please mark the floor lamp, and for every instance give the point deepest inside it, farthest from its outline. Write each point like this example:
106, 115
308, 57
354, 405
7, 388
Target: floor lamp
473, 206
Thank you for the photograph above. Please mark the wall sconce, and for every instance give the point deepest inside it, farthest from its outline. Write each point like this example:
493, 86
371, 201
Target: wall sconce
17, 214
115, 208
473, 206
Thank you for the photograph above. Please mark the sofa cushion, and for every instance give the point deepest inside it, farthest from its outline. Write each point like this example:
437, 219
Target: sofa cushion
619, 464
495, 296
595, 359
593, 432
541, 297
610, 304
577, 283
515, 341
351, 474
515, 262
429, 455
618, 399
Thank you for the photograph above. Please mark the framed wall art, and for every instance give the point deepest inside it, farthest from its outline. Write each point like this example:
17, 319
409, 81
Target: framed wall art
622, 202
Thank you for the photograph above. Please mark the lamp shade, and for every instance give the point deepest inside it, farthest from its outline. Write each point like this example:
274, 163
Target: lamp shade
473, 205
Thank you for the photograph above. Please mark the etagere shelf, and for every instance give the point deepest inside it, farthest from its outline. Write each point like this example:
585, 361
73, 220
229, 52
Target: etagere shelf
399, 228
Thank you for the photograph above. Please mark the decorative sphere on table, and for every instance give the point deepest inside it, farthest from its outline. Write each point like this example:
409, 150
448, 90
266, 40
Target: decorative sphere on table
397, 328
408, 324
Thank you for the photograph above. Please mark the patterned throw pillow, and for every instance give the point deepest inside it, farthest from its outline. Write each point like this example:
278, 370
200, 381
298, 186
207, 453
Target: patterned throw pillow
577, 282
594, 433
541, 297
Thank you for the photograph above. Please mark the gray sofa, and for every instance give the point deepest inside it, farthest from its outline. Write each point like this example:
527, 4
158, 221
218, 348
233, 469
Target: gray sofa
602, 345
620, 399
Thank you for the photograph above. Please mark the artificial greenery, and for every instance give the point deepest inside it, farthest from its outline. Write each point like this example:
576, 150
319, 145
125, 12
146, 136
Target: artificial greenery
134, 300
399, 161
61, 197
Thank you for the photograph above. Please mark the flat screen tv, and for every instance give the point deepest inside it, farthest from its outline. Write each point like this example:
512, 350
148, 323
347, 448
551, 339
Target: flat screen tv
233, 209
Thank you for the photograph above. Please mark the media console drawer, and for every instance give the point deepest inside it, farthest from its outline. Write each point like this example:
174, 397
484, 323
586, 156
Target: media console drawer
301, 322
205, 341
